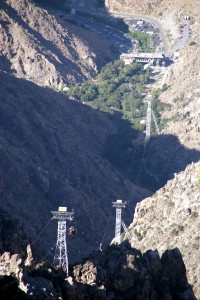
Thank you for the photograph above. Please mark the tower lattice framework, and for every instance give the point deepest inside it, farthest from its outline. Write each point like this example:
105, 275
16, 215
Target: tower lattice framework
61, 257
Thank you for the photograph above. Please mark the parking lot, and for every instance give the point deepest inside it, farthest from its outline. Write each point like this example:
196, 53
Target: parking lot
148, 28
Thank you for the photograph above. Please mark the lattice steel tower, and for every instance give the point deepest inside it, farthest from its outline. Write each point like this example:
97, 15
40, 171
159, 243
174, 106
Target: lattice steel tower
60, 257
119, 204
148, 119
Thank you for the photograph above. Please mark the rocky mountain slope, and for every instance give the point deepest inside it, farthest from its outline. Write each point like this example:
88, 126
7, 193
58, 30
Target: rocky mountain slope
51, 148
183, 95
154, 7
40, 45
51, 155
132, 6
12, 228
170, 218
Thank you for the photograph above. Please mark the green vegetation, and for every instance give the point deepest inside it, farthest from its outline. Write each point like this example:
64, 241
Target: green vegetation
143, 41
195, 246
138, 234
177, 228
194, 214
193, 43
119, 90
198, 177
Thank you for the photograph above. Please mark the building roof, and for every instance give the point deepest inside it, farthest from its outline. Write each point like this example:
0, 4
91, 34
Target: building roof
141, 55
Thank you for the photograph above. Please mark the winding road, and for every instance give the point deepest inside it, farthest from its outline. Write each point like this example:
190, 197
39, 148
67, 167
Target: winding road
84, 5
183, 38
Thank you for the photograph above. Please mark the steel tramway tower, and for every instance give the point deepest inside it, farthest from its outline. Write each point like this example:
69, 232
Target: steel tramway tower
119, 204
150, 113
61, 257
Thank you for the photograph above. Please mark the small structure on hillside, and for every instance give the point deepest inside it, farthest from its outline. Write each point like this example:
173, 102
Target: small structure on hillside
152, 58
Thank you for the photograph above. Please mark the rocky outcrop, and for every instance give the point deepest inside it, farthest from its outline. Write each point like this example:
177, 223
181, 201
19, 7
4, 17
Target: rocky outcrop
170, 218
17, 281
119, 272
40, 45
122, 272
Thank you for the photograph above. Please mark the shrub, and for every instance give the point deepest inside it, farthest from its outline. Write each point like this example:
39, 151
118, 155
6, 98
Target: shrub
138, 234
194, 214
198, 177
143, 40
193, 43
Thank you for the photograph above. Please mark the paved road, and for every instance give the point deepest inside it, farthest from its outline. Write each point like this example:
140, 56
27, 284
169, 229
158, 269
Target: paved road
183, 38
147, 27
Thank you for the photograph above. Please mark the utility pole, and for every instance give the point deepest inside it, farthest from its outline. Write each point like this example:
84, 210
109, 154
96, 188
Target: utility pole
60, 257
119, 204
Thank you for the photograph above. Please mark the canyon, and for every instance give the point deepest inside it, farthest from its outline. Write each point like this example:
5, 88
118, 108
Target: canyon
51, 153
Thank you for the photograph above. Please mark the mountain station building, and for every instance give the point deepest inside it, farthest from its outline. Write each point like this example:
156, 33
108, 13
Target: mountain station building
152, 58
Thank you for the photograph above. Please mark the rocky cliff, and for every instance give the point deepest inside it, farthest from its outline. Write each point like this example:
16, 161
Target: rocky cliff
170, 218
42, 46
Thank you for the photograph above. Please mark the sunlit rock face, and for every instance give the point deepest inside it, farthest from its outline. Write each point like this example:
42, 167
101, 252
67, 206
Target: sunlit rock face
171, 218
40, 45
